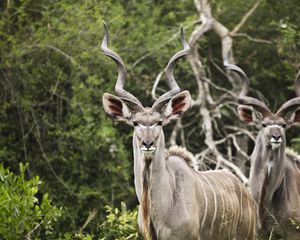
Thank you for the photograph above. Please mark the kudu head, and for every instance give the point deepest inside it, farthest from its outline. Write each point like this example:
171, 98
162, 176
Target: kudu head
147, 121
254, 111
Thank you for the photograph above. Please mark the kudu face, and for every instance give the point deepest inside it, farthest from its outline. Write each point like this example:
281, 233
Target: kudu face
272, 125
147, 129
147, 122
273, 131
272, 128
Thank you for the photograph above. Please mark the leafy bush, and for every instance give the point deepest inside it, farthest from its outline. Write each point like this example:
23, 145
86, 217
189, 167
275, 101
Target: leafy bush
295, 224
77, 236
22, 214
120, 224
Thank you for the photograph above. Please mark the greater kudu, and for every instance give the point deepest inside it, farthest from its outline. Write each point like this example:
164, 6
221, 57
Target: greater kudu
176, 201
274, 173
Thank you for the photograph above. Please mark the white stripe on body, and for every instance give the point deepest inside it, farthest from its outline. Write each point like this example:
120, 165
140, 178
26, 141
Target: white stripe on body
206, 205
223, 212
234, 221
250, 215
215, 201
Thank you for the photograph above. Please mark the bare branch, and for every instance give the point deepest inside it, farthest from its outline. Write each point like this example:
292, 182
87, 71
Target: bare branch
20, 116
237, 146
64, 54
242, 131
155, 49
27, 237
226, 164
211, 127
226, 41
251, 38
230, 93
92, 215
37, 138
246, 17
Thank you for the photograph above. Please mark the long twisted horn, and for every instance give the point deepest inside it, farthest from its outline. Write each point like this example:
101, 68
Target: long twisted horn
255, 103
119, 87
242, 75
293, 103
297, 84
160, 102
243, 98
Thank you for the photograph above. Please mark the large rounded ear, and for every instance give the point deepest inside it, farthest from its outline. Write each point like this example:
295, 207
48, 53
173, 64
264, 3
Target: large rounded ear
248, 115
177, 105
293, 118
297, 116
115, 107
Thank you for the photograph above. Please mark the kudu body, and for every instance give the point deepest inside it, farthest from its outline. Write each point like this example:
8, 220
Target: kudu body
176, 201
274, 174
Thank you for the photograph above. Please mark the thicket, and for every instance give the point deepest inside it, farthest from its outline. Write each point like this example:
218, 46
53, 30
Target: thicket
52, 78
22, 214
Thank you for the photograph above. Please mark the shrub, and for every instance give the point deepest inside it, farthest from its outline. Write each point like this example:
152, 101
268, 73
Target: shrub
120, 224
22, 214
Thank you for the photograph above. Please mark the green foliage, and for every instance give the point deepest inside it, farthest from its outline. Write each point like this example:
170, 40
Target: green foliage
295, 224
77, 236
22, 213
120, 224
52, 77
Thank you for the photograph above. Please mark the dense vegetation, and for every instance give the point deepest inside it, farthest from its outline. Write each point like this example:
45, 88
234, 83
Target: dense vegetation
52, 124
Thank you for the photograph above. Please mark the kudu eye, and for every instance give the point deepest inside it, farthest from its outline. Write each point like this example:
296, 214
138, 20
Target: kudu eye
135, 124
283, 125
263, 125
159, 123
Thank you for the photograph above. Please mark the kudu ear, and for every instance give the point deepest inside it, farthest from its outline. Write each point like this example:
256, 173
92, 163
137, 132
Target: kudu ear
245, 114
177, 105
115, 107
248, 115
295, 117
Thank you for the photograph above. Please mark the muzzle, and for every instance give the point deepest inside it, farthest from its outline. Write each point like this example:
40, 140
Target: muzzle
275, 143
148, 148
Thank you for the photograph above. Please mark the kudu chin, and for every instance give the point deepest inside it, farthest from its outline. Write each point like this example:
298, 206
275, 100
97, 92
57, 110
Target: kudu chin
274, 174
176, 201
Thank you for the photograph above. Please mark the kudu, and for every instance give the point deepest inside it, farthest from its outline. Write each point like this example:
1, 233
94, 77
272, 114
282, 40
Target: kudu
176, 201
274, 173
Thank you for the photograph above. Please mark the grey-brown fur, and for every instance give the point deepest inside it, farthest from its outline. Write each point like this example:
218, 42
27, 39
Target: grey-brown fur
274, 174
176, 202
188, 204
275, 184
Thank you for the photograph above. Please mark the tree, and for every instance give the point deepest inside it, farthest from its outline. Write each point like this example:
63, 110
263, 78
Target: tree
53, 76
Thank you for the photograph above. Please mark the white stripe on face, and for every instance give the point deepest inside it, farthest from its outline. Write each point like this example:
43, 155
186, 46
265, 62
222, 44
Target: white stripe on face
274, 126
144, 127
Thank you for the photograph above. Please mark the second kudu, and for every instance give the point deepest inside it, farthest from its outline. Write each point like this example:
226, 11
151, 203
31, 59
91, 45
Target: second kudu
274, 173
176, 201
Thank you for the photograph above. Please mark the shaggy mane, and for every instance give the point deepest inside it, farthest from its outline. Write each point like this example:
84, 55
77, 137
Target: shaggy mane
184, 154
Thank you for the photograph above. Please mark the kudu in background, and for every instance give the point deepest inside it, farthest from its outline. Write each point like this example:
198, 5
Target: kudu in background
274, 173
176, 201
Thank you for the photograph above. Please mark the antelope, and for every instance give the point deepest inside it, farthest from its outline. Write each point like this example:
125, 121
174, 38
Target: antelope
274, 173
176, 201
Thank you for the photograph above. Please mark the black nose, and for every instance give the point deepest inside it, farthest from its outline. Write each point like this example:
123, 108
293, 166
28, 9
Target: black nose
148, 144
276, 136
